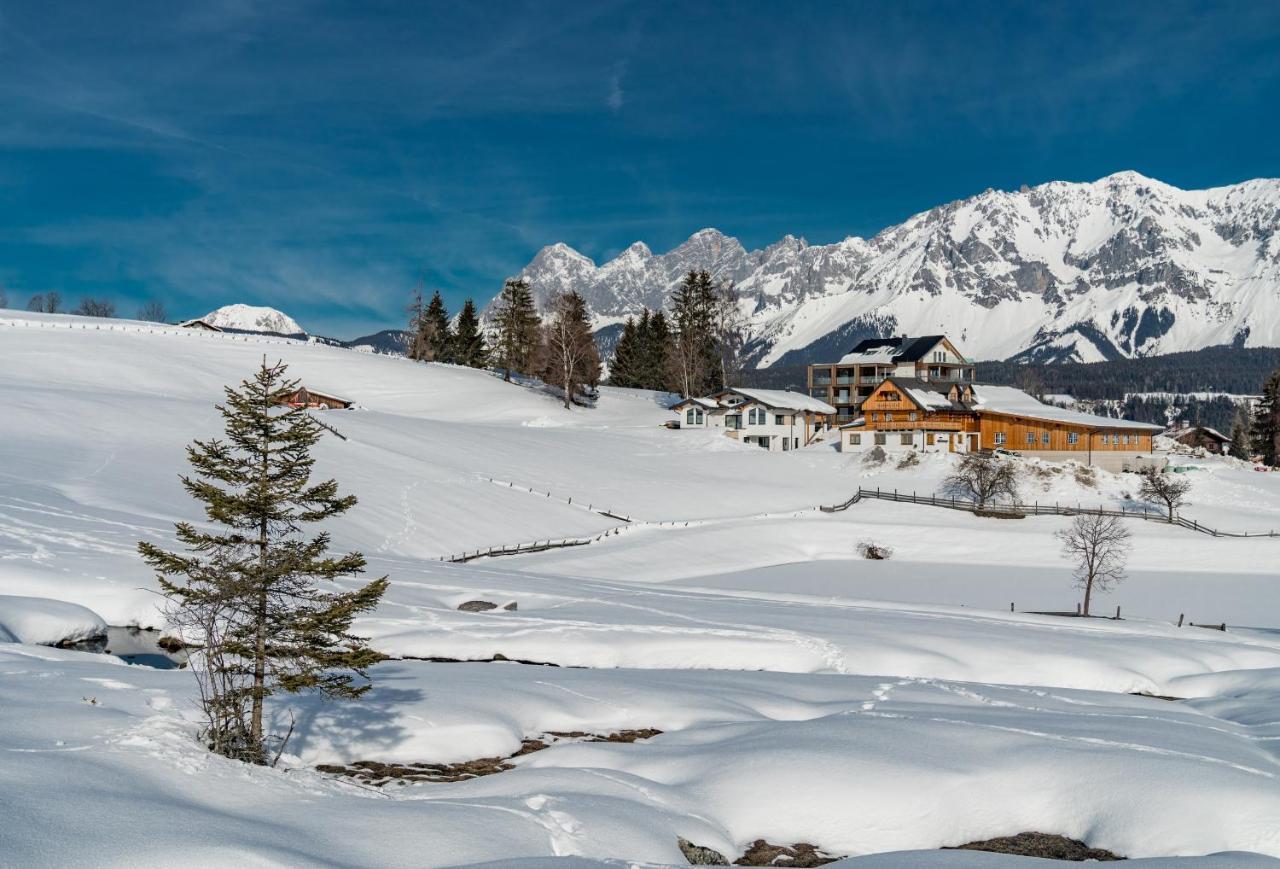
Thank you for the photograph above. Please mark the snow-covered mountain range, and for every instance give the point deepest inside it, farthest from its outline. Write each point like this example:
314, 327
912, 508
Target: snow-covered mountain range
1124, 266
248, 318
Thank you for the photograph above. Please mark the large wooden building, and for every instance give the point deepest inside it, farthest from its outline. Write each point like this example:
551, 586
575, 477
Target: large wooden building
910, 414
919, 393
848, 383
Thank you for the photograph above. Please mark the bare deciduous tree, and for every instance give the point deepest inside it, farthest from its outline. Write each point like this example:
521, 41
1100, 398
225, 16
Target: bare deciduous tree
1164, 489
153, 312
1099, 546
983, 478
91, 307
569, 356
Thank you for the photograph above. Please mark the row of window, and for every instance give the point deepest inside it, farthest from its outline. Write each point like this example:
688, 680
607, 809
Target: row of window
755, 416
887, 416
1073, 438
879, 440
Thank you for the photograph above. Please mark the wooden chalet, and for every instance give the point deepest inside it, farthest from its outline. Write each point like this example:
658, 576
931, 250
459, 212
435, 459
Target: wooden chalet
304, 397
912, 414
848, 383
199, 324
1200, 437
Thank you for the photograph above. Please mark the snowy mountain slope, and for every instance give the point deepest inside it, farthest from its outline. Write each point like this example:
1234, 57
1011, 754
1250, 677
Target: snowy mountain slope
1124, 266
797, 700
248, 318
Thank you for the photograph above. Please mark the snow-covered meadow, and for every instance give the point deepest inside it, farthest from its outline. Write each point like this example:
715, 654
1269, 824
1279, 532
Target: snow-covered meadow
804, 694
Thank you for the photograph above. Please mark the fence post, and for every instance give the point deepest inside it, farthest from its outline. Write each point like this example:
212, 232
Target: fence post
1180, 615
1117, 613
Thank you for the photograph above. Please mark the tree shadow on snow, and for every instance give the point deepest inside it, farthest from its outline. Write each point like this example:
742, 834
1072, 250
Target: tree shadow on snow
344, 730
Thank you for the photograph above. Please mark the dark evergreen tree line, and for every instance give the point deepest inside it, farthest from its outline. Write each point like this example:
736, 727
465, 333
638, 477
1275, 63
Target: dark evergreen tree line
434, 338
695, 352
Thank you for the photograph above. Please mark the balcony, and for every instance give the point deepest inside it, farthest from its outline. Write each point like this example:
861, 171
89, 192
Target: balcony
917, 424
822, 381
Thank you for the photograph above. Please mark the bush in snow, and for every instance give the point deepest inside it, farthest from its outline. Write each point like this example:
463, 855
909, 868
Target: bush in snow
1086, 476
874, 551
1167, 490
875, 456
983, 478
910, 460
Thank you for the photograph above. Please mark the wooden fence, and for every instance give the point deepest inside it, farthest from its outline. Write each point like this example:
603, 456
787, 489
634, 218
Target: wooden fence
1035, 509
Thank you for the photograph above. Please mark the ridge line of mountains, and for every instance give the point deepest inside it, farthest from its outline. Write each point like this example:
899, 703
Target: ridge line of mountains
1122, 267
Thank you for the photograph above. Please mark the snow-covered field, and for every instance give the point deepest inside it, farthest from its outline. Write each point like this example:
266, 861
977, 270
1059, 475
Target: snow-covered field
804, 694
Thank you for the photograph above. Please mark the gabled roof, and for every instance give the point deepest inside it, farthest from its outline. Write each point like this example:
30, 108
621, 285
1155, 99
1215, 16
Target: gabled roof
1014, 402
779, 399
887, 351
701, 402
926, 394
1186, 430
914, 349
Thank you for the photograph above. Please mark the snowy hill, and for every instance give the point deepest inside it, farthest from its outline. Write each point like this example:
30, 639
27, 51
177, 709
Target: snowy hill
1121, 267
793, 691
248, 318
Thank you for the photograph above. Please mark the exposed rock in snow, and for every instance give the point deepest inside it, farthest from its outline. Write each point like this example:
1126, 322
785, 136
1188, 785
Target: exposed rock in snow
248, 318
1123, 266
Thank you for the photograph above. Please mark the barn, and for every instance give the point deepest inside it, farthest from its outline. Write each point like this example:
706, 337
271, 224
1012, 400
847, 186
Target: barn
304, 397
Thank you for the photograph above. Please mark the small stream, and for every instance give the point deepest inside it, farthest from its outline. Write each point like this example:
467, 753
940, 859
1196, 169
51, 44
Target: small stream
133, 645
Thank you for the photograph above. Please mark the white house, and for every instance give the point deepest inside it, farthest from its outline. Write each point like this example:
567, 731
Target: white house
771, 419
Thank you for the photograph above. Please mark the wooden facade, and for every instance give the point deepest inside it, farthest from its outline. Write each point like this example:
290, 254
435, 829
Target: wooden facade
303, 397
847, 386
891, 408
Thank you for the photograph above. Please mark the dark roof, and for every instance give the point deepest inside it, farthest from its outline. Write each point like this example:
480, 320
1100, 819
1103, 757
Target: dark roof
917, 385
913, 349
904, 349
868, 344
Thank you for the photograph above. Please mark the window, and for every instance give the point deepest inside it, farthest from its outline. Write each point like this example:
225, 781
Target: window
880, 440
757, 416
1044, 439
999, 438
786, 443
888, 417
875, 416
795, 443
906, 440
855, 440
779, 419
1031, 439
700, 416
689, 417
1115, 438
1125, 440
1073, 438
912, 416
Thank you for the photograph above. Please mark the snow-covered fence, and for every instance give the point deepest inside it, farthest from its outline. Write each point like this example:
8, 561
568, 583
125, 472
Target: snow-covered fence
589, 506
1036, 509
525, 548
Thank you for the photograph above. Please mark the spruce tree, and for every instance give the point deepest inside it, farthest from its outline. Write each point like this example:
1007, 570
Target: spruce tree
468, 339
438, 336
251, 580
696, 350
626, 356
516, 327
1240, 446
657, 352
1266, 421
417, 349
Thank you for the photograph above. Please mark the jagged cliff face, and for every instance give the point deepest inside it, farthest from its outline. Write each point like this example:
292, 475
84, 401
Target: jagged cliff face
1125, 266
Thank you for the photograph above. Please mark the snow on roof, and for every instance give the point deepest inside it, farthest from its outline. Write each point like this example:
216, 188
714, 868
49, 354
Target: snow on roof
1015, 402
928, 398
1181, 430
878, 356
701, 402
783, 399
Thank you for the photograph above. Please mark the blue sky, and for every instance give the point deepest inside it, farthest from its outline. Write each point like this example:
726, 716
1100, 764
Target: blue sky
321, 156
